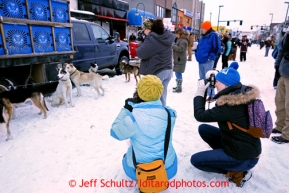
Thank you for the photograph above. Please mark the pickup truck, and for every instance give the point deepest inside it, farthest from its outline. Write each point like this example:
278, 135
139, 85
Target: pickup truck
38, 36
93, 44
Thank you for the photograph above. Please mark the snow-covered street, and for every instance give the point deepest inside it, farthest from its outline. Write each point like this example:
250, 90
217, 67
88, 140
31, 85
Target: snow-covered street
75, 143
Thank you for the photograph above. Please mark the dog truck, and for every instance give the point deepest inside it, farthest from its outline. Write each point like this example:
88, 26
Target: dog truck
37, 36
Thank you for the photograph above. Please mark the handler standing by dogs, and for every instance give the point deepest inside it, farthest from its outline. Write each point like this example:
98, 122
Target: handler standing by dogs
155, 53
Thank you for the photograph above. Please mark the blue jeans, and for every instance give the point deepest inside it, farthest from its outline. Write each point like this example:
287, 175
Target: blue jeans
203, 69
217, 160
179, 76
165, 77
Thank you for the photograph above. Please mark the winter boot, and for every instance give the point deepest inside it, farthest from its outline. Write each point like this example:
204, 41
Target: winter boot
239, 178
174, 88
179, 86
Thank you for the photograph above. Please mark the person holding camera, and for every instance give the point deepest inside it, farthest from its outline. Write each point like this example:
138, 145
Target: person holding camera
282, 93
234, 152
155, 52
180, 57
208, 48
144, 121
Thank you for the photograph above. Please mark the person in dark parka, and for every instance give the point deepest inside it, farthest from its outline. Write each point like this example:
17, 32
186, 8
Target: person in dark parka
234, 152
156, 53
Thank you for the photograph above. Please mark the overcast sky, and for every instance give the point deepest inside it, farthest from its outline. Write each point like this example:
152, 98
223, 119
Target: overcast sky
252, 12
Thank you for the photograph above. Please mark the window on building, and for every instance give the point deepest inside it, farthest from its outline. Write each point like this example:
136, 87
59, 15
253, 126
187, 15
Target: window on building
181, 20
160, 11
188, 21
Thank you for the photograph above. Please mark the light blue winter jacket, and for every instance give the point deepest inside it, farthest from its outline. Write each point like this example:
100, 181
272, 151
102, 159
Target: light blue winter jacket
145, 126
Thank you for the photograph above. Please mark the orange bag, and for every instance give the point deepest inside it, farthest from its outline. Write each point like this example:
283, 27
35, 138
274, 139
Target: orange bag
152, 177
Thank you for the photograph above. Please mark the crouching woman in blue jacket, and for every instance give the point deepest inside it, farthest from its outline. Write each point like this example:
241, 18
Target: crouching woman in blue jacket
144, 121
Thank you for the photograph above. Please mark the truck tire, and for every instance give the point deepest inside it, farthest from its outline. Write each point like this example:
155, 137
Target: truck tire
118, 70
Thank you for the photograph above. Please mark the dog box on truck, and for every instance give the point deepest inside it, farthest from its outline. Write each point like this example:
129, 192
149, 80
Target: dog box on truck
36, 36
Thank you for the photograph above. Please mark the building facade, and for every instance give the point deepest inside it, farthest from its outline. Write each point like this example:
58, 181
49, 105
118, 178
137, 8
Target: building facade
197, 7
110, 14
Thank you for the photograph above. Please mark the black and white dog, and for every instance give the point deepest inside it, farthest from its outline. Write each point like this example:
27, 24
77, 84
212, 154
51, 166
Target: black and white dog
63, 90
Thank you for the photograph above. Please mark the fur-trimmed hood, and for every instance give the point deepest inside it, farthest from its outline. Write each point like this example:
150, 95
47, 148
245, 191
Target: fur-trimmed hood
233, 96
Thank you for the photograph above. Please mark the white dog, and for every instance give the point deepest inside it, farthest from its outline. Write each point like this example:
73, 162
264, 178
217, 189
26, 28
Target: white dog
63, 90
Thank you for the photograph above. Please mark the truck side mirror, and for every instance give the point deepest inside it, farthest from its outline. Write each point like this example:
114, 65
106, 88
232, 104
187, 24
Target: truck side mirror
116, 36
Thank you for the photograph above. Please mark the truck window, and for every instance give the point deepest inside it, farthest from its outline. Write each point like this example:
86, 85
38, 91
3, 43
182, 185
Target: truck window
99, 33
80, 32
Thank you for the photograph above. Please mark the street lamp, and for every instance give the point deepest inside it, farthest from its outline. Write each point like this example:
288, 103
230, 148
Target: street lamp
144, 8
219, 17
271, 21
287, 10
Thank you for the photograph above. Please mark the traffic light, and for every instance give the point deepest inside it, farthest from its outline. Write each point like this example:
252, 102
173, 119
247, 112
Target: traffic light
261, 27
228, 23
241, 22
251, 27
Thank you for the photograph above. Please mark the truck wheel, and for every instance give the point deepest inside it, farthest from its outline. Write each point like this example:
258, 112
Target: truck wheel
118, 70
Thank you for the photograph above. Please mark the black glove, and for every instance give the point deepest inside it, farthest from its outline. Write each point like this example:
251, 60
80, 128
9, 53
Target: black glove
127, 106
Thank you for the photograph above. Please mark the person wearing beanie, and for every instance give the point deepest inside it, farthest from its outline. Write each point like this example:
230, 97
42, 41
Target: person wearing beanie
233, 152
144, 121
180, 57
155, 53
206, 25
208, 49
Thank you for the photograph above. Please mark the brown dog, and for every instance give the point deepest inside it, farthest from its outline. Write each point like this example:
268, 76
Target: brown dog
20, 95
130, 69
78, 78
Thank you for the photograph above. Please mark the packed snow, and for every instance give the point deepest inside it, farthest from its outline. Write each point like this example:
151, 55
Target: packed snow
46, 155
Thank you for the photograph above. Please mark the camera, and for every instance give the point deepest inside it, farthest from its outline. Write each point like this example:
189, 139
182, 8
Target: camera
211, 80
140, 36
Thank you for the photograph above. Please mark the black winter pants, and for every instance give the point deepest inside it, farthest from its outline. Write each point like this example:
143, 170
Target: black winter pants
242, 56
225, 61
